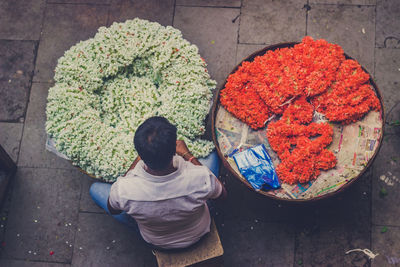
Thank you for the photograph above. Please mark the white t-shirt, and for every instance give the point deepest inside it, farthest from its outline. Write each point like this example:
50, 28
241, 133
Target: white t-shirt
170, 210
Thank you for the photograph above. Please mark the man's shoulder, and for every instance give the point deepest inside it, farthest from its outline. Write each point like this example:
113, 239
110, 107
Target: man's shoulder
127, 180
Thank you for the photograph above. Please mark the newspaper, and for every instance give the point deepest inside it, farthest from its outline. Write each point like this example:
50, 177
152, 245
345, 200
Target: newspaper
354, 145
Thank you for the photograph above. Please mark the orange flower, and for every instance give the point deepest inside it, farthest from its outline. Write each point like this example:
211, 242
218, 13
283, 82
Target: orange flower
282, 82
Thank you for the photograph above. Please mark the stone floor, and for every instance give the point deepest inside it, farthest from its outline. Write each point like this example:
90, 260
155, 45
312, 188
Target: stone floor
48, 207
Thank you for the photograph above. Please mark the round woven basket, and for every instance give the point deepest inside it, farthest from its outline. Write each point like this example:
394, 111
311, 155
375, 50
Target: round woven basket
234, 172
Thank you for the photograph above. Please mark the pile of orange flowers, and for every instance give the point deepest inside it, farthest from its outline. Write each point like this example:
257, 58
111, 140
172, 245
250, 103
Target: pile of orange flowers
292, 82
301, 158
350, 97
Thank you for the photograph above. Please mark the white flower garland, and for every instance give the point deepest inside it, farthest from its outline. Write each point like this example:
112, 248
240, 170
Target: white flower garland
108, 85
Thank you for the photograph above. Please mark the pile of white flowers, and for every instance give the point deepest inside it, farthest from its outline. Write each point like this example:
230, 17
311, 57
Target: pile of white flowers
108, 85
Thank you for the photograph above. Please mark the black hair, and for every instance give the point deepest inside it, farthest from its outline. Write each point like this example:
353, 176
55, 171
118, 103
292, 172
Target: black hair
155, 142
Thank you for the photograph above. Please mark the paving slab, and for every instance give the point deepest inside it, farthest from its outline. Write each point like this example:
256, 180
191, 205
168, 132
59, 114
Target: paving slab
385, 241
350, 206
245, 50
387, 24
326, 246
96, 2
272, 22
214, 31
328, 228
228, 209
10, 138
393, 120
386, 183
387, 75
21, 20
243, 202
257, 207
161, 11
351, 27
64, 26
43, 215
5, 205
86, 203
219, 3
250, 243
103, 241
27, 263
344, 2
33, 152
16, 68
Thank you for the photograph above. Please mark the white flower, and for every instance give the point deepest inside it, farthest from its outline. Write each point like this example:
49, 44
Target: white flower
108, 85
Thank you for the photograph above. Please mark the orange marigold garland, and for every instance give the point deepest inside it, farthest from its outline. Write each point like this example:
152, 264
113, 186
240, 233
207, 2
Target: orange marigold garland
350, 97
282, 82
240, 98
274, 80
300, 111
301, 157
317, 63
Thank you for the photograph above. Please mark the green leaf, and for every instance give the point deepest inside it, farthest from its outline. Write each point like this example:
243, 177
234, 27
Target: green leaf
300, 262
383, 192
395, 123
384, 229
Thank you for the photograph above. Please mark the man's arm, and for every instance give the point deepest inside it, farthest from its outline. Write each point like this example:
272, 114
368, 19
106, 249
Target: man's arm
223, 194
183, 151
110, 208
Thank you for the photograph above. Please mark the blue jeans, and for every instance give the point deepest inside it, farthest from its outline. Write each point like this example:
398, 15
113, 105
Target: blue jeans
100, 192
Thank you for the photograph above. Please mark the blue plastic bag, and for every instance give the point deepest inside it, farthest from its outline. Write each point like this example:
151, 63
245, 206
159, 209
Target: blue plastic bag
256, 166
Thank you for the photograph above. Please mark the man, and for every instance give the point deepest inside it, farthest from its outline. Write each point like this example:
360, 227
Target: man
165, 190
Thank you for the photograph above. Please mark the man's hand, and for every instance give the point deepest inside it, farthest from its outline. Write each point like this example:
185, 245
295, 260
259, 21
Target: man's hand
181, 148
183, 151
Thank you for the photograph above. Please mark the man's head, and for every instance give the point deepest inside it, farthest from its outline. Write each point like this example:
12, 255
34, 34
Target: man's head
155, 142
